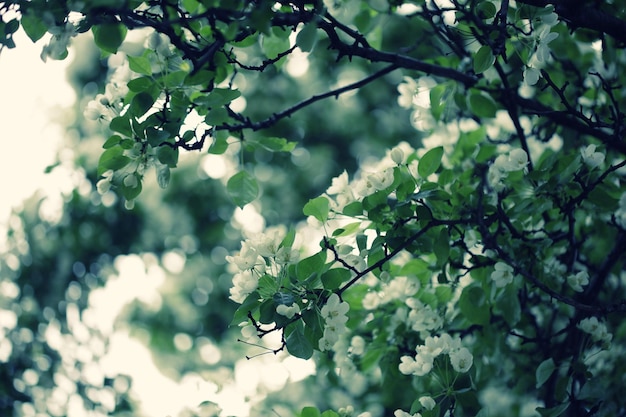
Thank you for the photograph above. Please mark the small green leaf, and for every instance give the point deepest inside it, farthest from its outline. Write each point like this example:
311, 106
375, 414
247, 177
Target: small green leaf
216, 116
430, 162
311, 265
289, 238
220, 97
441, 247
482, 105
486, 10
274, 45
112, 141
168, 155
34, 27
140, 104
298, 345
121, 125
483, 59
332, 279
140, 64
112, 158
317, 207
544, 371
307, 37
109, 36
219, 145
242, 188
140, 84
472, 305
277, 144
250, 304
310, 412
267, 286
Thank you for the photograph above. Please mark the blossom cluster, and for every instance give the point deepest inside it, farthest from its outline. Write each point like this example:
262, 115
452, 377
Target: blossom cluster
335, 318
542, 38
515, 160
110, 104
260, 255
502, 274
597, 330
422, 363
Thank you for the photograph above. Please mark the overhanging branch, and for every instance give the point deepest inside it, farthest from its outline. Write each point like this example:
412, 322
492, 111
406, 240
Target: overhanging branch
579, 15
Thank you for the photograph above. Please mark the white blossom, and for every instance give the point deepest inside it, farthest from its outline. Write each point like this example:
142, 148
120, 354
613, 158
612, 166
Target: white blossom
502, 274
596, 329
577, 281
288, 311
244, 283
544, 38
531, 75
591, 157
247, 258
461, 359
427, 402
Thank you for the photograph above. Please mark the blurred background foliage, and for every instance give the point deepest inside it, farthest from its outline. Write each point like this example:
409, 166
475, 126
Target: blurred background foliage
61, 248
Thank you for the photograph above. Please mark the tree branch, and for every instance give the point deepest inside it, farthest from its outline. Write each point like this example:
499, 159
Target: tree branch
291, 110
579, 15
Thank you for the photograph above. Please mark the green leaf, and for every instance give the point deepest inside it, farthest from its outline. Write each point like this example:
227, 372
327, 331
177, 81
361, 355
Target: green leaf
307, 37
289, 238
168, 155
219, 145
483, 59
317, 207
333, 278
220, 97
274, 45
311, 265
310, 412
216, 116
482, 105
250, 304
34, 27
267, 286
109, 36
112, 141
242, 188
430, 162
277, 144
472, 305
297, 344
112, 158
486, 10
441, 247
140, 84
544, 371
140, 64
121, 125
348, 229
140, 104
353, 209
509, 305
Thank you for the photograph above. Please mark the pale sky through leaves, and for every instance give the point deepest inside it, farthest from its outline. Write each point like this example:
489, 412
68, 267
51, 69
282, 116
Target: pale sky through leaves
32, 92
